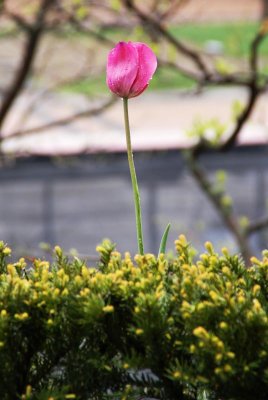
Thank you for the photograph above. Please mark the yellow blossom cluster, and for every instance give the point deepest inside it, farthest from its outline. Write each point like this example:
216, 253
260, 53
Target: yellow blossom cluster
193, 320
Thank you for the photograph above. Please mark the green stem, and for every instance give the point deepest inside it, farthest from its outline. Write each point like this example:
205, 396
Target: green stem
135, 187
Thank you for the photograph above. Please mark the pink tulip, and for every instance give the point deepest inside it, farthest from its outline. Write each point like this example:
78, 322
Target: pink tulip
130, 66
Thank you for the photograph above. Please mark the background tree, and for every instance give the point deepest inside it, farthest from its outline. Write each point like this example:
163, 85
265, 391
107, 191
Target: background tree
150, 22
265, 8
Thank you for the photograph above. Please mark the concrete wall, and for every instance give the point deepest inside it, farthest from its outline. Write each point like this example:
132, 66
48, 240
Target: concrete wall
77, 202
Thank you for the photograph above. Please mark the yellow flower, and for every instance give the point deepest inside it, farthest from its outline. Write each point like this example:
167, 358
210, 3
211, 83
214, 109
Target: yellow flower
226, 271
168, 336
84, 292
256, 290
218, 357
200, 332
58, 251
225, 252
65, 292
227, 368
241, 299
192, 348
56, 292
214, 296
254, 260
209, 247
108, 309
11, 270
256, 305
230, 354
176, 374
7, 251
22, 316
223, 325
78, 280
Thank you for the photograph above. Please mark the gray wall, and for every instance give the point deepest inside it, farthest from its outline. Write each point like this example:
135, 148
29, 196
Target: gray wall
77, 202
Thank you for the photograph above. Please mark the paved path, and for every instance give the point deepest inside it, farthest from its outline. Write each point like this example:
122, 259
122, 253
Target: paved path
219, 10
204, 10
159, 121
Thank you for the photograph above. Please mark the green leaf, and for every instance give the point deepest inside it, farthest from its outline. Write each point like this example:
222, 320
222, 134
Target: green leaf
163, 243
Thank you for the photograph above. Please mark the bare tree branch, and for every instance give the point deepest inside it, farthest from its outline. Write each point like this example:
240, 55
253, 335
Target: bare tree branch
64, 121
258, 225
174, 7
254, 92
33, 37
24, 25
194, 56
33, 102
227, 216
242, 119
91, 32
179, 68
253, 57
264, 9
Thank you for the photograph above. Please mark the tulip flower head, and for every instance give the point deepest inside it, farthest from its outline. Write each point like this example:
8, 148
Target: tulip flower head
130, 66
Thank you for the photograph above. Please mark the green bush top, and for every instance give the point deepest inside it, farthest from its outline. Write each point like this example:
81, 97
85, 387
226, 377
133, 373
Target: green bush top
131, 328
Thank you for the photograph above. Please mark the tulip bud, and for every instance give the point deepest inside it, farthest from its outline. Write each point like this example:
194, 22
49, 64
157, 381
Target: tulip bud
130, 66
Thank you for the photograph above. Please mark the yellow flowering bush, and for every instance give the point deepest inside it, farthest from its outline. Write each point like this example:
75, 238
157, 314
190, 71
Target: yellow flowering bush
186, 328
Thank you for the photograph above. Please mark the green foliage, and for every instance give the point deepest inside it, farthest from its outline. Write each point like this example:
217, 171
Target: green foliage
237, 109
211, 131
129, 328
163, 243
223, 67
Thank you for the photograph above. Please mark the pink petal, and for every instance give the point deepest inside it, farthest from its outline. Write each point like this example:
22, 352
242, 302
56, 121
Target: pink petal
122, 68
147, 66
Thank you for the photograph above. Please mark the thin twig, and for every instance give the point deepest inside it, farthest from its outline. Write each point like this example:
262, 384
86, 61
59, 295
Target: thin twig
34, 101
185, 72
173, 9
20, 22
216, 199
33, 37
257, 225
242, 119
194, 56
64, 121
91, 32
254, 92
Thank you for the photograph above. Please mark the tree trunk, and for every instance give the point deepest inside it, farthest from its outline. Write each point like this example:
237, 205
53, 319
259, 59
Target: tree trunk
33, 38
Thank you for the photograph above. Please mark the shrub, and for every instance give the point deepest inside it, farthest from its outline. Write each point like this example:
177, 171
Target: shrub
165, 328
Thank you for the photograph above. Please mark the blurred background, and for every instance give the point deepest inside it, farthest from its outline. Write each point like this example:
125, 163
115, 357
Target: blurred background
199, 132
